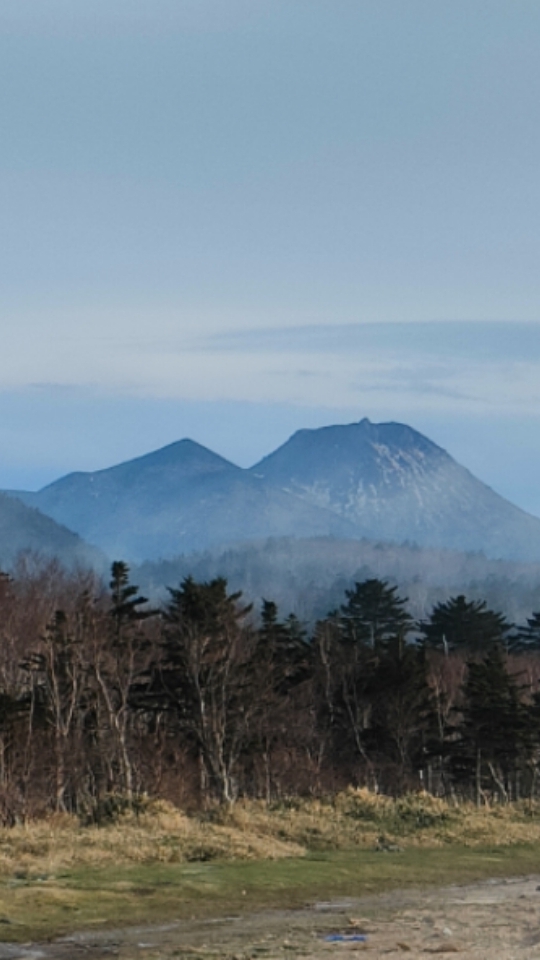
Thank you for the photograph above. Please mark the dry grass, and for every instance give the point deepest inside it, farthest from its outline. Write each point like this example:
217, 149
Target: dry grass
162, 834
359, 818
253, 830
57, 875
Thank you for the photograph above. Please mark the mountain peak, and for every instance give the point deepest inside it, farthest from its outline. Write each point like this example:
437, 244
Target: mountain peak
393, 483
183, 458
347, 443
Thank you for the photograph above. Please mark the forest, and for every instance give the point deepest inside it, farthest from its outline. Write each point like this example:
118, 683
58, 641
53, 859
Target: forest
106, 699
310, 575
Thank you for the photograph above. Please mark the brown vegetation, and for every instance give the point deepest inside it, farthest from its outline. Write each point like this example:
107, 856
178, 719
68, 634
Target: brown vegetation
253, 830
105, 702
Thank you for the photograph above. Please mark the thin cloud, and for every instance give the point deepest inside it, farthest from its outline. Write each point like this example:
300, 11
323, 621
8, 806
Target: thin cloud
479, 338
456, 366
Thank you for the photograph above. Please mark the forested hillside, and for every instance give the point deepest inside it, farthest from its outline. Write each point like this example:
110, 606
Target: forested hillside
309, 576
105, 697
24, 528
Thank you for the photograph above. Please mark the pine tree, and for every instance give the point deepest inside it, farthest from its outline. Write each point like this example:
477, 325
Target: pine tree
119, 663
371, 621
281, 665
461, 624
374, 615
493, 732
283, 649
402, 714
126, 603
528, 638
206, 673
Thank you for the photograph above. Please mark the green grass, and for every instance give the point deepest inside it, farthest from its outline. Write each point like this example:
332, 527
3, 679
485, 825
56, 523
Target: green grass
57, 876
86, 898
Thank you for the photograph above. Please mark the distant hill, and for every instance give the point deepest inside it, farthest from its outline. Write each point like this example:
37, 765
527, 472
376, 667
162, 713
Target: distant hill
309, 577
392, 483
385, 482
177, 500
23, 528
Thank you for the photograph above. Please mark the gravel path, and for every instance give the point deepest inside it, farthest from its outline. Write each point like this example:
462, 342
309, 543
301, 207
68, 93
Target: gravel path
493, 920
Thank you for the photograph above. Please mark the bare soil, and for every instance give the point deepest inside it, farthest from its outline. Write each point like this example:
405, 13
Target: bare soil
497, 919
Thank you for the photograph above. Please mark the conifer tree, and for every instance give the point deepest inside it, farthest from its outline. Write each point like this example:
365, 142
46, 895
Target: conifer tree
126, 603
402, 713
206, 674
373, 615
493, 732
461, 624
528, 638
119, 662
283, 648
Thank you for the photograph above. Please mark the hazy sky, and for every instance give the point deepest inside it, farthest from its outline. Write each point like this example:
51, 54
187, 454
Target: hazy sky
228, 219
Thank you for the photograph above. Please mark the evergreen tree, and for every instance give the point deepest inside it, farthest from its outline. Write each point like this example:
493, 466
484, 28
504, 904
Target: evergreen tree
283, 648
533, 741
126, 602
493, 732
402, 717
461, 624
350, 646
528, 638
281, 665
119, 665
206, 673
374, 615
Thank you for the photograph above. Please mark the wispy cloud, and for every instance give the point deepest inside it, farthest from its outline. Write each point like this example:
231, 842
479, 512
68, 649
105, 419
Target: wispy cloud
458, 367
478, 340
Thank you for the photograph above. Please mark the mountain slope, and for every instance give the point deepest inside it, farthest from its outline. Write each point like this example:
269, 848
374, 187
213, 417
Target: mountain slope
379, 481
176, 500
392, 483
24, 528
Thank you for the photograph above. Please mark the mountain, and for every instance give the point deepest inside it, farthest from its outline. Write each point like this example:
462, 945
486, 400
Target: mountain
176, 500
392, 483
384, 482
23, 528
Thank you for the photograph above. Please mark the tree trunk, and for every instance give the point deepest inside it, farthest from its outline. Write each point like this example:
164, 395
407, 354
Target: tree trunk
478, 777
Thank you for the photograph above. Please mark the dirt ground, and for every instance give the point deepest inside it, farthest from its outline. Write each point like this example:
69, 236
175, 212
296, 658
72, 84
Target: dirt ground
493, 920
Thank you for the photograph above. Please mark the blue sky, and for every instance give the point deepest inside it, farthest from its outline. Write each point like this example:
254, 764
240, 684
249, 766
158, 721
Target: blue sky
229, 220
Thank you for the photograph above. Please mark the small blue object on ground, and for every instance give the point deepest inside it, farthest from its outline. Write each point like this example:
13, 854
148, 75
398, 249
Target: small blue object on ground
345, 938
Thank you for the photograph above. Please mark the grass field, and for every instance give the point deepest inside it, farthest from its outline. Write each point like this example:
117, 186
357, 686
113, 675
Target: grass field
56, 876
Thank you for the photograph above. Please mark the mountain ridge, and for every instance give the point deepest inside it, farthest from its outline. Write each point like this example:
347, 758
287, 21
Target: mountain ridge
383, 481
139, 510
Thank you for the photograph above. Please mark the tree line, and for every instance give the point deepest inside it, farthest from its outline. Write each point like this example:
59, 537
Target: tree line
104, 698
311, 575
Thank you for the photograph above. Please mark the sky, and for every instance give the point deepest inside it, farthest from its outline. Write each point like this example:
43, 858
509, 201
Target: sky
232, 220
